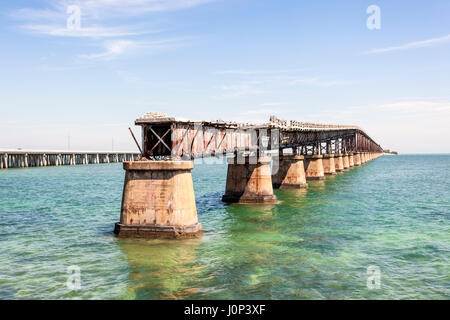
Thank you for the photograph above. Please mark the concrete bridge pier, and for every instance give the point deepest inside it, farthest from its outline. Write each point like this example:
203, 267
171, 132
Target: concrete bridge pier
339, 162
345, 161
249, 181
314, 167
290, 173
329, 167
158, 200
363, 157
351, 160
356, 159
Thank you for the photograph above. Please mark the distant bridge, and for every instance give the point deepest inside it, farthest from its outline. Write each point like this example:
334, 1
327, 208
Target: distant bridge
44, 158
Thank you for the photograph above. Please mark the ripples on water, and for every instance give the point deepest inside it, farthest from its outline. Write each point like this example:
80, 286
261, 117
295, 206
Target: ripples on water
315, 244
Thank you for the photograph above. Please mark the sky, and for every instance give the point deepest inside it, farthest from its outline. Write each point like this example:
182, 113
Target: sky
83, 84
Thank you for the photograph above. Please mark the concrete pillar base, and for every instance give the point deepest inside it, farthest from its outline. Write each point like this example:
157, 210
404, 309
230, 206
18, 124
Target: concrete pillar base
339, 162
351, 159
154, 231
329, 167
249, 182
290, 173
363, 157
314, 167
357, 159
158, 201
346, 161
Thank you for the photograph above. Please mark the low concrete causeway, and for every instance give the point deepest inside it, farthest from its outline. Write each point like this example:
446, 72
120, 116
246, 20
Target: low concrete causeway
158, 195
34, 158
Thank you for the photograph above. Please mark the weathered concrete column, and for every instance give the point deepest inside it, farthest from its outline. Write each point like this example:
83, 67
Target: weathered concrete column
329, 167
357, 159
158, 200
339, 162
363, 157
351, 160
314, 167
249, 183
290, 173
345, 161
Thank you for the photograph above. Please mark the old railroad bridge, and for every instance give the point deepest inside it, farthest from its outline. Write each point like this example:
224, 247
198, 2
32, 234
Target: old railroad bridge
158, 195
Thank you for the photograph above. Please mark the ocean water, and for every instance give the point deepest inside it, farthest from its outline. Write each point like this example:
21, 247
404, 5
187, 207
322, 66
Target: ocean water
391, 214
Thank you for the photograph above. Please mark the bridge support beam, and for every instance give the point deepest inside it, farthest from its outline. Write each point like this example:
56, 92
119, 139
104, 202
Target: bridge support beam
329, 167
314, 167
339, 162
158, 201
248, 182
290, 173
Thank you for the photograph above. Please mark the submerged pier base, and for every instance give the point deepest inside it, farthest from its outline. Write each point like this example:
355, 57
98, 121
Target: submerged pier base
249, 182
290, 173
158, 201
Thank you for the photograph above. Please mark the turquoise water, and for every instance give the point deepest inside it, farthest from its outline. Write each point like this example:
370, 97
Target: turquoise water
392, 213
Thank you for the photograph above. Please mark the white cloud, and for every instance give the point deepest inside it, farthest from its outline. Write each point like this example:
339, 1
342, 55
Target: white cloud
116, 48
132, 7
413, 45
113, 49
242, 89
317, 81
95, 15
259, 111
245, 72
252, 82
424, 107
90, 32
270, 104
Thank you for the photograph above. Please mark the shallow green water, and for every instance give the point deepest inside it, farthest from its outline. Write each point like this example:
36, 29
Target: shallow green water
315, 244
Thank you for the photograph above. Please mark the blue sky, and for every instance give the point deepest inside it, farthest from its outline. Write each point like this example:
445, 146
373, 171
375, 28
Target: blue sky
227, 59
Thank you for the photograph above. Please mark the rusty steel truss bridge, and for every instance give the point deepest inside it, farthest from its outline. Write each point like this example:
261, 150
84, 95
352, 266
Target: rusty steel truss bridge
166, 137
